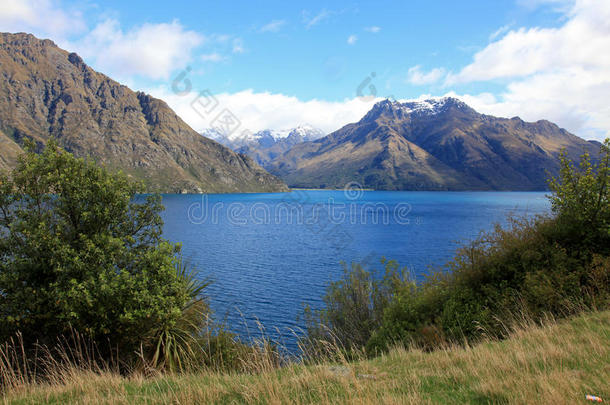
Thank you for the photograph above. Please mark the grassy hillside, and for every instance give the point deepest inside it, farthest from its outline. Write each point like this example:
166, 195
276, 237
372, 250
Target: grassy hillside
557, 363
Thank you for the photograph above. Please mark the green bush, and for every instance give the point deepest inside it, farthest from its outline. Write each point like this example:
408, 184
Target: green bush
406, 317
78, 253
353, 309
557, 264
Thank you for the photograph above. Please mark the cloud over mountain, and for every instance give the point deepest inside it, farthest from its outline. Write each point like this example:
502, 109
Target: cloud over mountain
561, 74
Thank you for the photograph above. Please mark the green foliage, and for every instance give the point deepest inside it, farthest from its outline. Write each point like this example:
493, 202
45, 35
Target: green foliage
353, 307
581, 201
175, 346
78, 252
406, 318
557, 264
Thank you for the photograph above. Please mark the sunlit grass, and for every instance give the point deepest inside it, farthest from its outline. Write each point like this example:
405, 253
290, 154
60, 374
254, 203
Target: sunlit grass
559, 362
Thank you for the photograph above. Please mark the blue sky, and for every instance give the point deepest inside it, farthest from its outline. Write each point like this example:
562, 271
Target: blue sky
278, 64
301, 48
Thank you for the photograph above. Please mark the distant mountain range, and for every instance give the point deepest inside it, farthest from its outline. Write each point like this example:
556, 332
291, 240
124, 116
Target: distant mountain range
266, 146
436, 144
46, 92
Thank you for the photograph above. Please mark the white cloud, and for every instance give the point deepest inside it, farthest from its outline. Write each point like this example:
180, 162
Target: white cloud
417, 77
310, 21
351, 40
374, 29
273, 26
499, 32
582, 41
561, 74
238, 45
212, 57
43, 18
575, 101
220, 38
149, 50
557, 5
258, 111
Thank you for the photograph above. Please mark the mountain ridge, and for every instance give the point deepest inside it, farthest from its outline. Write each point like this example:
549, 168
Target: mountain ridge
266, 145
434, 144
47, 92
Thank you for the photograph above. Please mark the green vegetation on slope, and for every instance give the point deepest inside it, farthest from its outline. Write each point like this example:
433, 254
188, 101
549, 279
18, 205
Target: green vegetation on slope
557, 264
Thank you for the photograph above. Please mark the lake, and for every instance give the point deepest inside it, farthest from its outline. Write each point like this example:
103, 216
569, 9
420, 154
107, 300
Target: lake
270, 254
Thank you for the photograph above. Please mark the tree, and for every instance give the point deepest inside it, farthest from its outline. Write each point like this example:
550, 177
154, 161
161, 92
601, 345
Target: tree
80, 251
581, 201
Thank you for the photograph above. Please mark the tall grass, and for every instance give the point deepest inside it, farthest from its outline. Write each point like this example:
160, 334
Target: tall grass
55, 364
209, 351
549, 362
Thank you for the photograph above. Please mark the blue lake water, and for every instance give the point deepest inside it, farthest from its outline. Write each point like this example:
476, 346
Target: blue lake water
269, 254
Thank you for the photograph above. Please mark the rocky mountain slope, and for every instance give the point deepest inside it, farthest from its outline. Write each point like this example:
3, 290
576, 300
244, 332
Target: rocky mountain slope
265, 146
46, 92
437, 144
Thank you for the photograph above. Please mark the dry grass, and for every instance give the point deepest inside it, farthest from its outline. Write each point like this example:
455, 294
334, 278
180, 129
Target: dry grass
557, 363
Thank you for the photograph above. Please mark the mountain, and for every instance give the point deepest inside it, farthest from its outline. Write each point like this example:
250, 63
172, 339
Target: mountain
265, 146
46, 92
436, 144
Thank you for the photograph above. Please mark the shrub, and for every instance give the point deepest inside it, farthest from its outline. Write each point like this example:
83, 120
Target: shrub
77, 252
353, 309
406, 317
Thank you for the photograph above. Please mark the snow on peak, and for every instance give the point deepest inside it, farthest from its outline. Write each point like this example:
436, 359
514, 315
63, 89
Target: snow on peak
430, 106
305, 131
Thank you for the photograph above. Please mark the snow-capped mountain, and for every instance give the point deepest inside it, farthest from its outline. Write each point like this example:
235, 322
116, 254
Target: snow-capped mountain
305, 131
266, 137
434, 144
421, 108
264, 146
